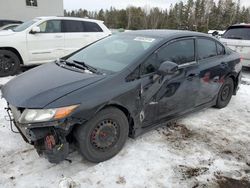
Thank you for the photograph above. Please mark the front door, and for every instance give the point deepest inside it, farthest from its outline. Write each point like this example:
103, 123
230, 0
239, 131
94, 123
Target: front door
172, 94
48, 44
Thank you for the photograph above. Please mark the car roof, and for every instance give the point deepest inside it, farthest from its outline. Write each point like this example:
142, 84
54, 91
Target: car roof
168, 33
242, 24
68, 18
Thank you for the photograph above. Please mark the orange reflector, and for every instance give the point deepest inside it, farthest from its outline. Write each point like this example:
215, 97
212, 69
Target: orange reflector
64, 112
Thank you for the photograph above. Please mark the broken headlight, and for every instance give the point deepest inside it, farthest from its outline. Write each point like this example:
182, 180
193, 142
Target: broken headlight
42, 115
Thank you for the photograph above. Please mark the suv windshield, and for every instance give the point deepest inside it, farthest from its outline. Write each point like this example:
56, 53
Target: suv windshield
114, 53
25, 25
238, 32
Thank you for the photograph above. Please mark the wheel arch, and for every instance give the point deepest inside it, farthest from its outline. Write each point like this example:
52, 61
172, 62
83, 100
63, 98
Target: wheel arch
125, 111
235, 81
14, 50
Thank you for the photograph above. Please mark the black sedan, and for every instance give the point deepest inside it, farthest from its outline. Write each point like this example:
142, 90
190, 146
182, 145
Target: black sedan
120, 86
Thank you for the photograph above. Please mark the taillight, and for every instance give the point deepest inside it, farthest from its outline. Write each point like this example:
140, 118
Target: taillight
241, 59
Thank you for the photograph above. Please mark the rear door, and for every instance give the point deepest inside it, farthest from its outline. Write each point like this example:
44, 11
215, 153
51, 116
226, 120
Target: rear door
47, 45
79, 34
213, 68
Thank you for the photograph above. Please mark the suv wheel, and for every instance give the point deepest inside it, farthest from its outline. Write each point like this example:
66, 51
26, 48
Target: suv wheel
9, 63
225, 93
104, 136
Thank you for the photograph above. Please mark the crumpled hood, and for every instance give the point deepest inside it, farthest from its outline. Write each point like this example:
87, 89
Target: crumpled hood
6, 33
41, 86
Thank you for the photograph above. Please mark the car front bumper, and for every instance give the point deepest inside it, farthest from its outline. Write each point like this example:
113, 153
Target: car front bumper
49, 138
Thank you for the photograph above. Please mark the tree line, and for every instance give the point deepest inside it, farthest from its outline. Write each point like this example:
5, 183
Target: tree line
196, 15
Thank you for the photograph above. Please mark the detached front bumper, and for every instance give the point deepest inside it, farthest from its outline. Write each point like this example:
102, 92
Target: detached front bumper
49, 138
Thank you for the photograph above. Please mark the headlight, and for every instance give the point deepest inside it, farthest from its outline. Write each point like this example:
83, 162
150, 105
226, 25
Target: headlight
42, 115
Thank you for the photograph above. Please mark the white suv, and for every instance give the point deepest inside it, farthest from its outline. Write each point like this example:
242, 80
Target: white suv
237, 37
45, 39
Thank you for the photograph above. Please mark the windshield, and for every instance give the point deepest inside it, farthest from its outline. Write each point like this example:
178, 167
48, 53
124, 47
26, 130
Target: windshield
25, 25
242, 33
114, 53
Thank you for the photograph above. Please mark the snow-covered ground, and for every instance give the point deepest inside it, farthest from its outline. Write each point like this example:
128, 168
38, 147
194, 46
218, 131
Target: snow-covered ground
205, 149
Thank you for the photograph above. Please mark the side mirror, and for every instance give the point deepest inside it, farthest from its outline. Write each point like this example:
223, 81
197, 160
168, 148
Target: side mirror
35, 30
167, 68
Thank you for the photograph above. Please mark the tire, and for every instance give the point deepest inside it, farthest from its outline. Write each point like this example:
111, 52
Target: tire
225, 93
9, 63
104, 136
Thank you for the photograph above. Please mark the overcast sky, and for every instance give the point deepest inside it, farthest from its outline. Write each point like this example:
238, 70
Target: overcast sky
105, 4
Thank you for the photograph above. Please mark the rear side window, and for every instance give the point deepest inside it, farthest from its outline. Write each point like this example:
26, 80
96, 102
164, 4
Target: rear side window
72, 26
239, 32
92, 27
206, 48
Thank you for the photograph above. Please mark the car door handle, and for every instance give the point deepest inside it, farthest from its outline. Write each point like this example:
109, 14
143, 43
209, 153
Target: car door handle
58, 36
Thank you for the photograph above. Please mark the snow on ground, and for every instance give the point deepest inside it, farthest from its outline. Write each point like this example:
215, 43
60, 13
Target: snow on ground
209, 148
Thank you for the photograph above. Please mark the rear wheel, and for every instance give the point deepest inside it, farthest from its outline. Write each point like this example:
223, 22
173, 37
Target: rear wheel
225, 93
9, 63
104, 136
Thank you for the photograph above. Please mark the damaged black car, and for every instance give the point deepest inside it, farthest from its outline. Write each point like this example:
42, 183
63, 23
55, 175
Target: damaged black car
119, 87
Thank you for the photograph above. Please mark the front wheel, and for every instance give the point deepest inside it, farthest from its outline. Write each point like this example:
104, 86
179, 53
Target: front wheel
104, 136
9, 63
225, 93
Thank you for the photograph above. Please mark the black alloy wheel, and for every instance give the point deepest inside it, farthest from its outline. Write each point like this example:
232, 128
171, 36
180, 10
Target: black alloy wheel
9, 63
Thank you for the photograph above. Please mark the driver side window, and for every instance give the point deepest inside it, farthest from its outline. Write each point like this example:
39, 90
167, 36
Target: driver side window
50, 26
179, 52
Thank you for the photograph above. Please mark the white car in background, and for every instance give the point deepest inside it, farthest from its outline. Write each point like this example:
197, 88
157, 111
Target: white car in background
45, 39
237, 37
216, 33
9, 26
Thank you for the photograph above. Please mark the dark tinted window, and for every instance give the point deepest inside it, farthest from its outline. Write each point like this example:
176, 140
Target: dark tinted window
239, 32
220, 49
50, 26
92, 27
206, 48
32, 3
179, 52
72, 26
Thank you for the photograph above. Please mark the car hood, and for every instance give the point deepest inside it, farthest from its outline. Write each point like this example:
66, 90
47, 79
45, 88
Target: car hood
40, 86
6, 32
